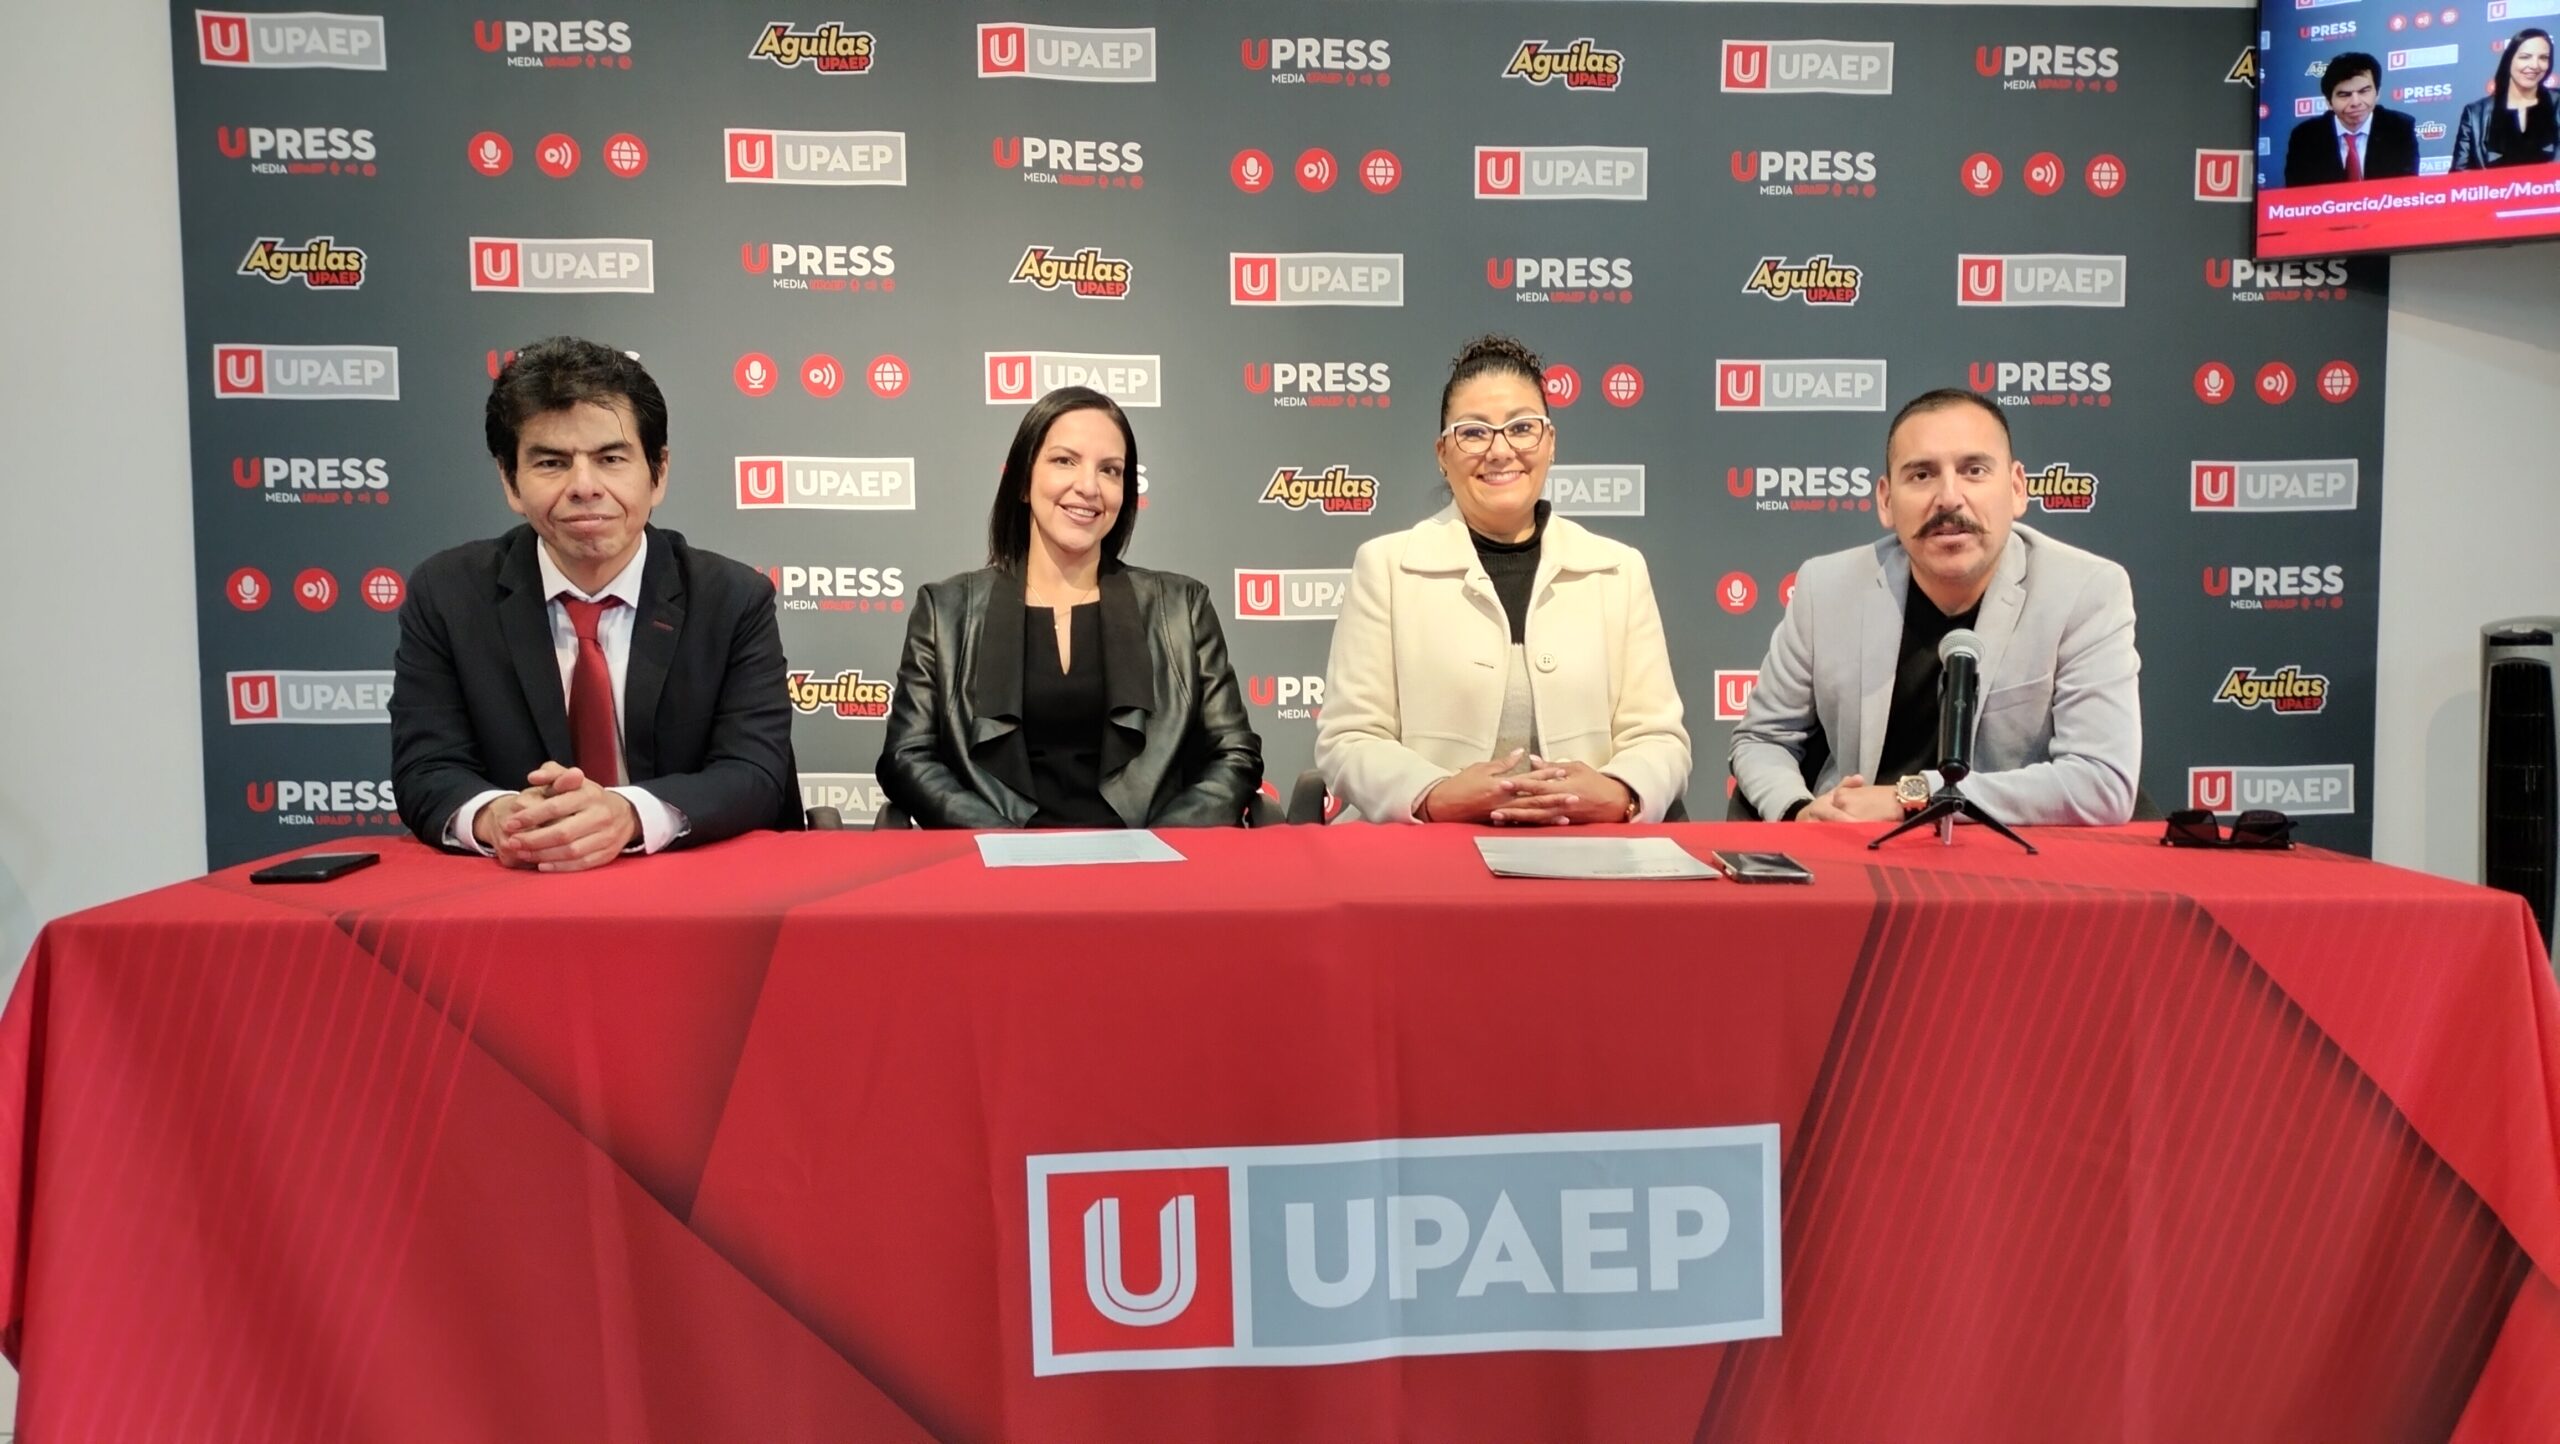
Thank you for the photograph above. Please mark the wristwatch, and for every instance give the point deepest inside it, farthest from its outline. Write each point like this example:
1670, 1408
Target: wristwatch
1912, 792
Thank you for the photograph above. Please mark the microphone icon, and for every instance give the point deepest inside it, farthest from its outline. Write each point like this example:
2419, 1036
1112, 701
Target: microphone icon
488, 152
1733, 590
756, 375
249, 590
2213, 382
1252, 168
1981, 173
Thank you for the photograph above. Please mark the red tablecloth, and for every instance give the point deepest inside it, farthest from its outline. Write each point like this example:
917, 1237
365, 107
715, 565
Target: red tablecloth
2117, 1142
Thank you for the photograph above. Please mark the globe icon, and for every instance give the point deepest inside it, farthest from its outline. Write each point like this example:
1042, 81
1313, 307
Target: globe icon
2106, 175
382, 590
888, 376
2337, 383
1379, 171
626, 155
1622, 385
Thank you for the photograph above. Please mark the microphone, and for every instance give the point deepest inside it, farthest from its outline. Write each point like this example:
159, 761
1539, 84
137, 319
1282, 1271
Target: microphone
1982, 173
489, 152
1252, 171
755, 374
2213, 382
249, 591
1959, 698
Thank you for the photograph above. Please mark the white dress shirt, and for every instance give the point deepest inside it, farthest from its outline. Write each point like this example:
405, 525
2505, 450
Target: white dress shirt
660, 823
2358, 132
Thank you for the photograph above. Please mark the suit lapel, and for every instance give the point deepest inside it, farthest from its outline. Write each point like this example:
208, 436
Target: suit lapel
1997, 622
655, 629
995, 688
1879, 652
524, 620
1128, 699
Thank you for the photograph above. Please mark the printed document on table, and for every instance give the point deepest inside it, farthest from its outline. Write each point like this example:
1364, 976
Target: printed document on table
1072, 849
1590, 857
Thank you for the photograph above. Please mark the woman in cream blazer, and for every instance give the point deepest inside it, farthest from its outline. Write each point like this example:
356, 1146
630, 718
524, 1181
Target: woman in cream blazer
1496, 663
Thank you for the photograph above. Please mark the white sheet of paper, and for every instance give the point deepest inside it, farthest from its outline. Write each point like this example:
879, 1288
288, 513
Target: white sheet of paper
1590, 857
1072, 849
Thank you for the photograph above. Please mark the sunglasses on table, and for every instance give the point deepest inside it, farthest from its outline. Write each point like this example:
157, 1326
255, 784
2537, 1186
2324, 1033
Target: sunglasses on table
2257, 828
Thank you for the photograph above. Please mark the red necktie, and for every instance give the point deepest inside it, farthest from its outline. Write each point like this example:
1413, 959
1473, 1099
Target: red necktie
2355, 155
591, 730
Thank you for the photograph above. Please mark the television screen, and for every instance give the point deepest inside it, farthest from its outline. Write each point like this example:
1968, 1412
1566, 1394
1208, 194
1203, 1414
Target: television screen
2383, 127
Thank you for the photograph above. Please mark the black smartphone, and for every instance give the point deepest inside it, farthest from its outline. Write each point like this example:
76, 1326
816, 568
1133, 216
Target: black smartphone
1762, 867
316, 867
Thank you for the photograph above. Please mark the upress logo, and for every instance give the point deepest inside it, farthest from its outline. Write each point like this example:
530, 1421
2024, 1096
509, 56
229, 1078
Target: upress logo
297, 802
815, 157
820, 267
855, 795
2048, 279
2319, 790
1802, 488
1291, 595
1336, 385
320, 699
1594, 490
320, 264
1821, 280
838, 589
2308, 588
848, 696
1016, 378
1491, 1243
298, 150
1807, 172
249, 371
1317, 60
1066, 52
1808, 67
2061, 487
556, 44
2048, 67
1563, 280
1315, 278
314, 480
828, 483
290, 40
1560, 172
1088, 275
2328, 485
1335, 491
2333, 30
1056, 161
830, 49
2249, 280
2043, 383
525, 266
1733, 693
1294, 699
1808, 385
2441, 90
1582, 65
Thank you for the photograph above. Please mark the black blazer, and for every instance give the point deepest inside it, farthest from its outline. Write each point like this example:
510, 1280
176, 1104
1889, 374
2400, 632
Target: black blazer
2390, 149
2471, 138
476, 700
1177, 752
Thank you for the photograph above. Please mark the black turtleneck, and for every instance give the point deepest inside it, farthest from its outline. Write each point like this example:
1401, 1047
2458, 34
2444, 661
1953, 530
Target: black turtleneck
1512, 567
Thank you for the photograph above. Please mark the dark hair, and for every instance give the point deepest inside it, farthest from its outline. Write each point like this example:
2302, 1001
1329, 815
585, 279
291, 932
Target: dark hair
559, 372
1940, 400
1493, 355
2346, 65
2507, 62
1009, 525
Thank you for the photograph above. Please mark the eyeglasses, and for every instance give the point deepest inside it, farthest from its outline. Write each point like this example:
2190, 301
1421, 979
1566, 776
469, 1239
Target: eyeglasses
1475, 438
2257, 828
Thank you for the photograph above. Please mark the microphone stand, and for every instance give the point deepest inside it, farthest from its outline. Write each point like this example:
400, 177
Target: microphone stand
1945, 806
1959, 653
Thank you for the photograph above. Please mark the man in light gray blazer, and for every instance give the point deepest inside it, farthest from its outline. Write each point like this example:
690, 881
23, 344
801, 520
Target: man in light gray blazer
1854, 666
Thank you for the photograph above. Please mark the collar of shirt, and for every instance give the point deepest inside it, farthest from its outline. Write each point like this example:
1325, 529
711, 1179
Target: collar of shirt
2345, 130
625, 585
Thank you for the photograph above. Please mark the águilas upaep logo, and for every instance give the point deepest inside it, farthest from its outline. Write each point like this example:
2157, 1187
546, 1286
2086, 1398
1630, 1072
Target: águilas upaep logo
2061, 487
321, 264
829, 483
1315, 278
1335, 491
1066, 52
830, 49
1318, 60
1088, 275
2319, 790
1826, 385
1821, 280
816, 157
556, 44
1016, 378
1330, 384
2288, 691
298, 150
1801, 67
1582, 65
1091, 164
1400, 1246
2049, 67
301, 40
1849, 173
525, 266
1563, 280
1297, 594
2326, 485
848, 696
2250, 280
250, 371
1560, 172
309, 698
2040, 280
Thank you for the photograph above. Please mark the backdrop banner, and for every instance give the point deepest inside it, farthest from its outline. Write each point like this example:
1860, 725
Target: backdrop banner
851, 244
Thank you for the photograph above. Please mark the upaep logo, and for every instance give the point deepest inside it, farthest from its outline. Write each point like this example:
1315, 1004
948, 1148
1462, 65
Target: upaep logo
1560, 172
1807, 385
290, 40
816, 157
1733, 693
2046, 279
1066, 52
2327, 485
1334, 1253
1805, 67
1330, 384
1297, 594
251, 371
857, 795
525, 265
1582, 65
309, 698
829, 483
830, 49
1315, 278
2225, 175
1584, 489
1017, 378
2319, 790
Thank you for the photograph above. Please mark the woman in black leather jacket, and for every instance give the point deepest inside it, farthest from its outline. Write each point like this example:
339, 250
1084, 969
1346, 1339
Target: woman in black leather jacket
2517, 122
1057, 686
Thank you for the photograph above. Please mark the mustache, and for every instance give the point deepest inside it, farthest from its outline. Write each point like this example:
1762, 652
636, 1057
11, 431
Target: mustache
1951, 521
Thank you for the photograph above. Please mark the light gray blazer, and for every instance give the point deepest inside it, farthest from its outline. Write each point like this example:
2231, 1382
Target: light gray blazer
2059, 735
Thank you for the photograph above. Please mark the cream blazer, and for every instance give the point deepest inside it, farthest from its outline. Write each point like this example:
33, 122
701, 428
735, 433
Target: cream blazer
1413, 690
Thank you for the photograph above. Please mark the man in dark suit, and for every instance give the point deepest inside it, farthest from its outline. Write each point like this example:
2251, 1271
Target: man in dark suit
587, 685
2358, 139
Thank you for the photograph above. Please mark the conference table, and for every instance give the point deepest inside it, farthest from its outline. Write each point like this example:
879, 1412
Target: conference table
791, 1138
